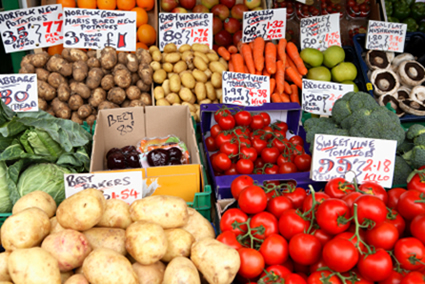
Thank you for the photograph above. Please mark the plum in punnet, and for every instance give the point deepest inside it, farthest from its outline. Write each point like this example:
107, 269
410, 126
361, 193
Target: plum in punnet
237, 37
187, 4
116, 161
113, 150
132, 160
220, 11
232, 25
217, 25
223, 38
128, 149
228, 3
158, 157
175, 153
200, 9
237, 11
174, 162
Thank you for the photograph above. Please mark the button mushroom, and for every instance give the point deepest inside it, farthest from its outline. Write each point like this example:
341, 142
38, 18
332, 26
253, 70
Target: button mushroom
403, 93
411, 73
399, 59
393, 100
376, 59
415, 103
384, 82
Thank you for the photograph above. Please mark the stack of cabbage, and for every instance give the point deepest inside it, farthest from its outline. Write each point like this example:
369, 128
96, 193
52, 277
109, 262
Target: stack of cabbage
36, 149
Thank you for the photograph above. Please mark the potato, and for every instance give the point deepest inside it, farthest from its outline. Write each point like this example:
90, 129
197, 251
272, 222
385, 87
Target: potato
175, 83
212, 258
66, 275
55, 227
171, 47
204, 48
134, 78
80, 71
179, 244
107, 82
184, 47
187, 56
179, 67
173, 98
42, 74
150, 274
159, 76
216, 80
91, 119
38, 199
166, 87
142, 86
210, 91
158, 93
33, 266
55, 79
162, 102
84, 111
122, 78
181, 270
212, 56
63, 246
188, 80
93, 62
77, 279
27, 68
199, 76
75, 101
198, 226
202, 55
208, 73
82, 210
132, 62
172, 57
133, 93
157, 55
143, 56
153, 48
109, 238
39, 60
117, 215
186, 95
64, 92
145, 241
4, 272
105, 266
224, 63
200, 63
219, 93
78, 55
60, 65
108, 58
168, 67
206, 101
98, 95
45, 91
167, 211
81, 89
200, 91
146, 99
171, 74
155, 65
191, 106
32, 225
216, 66
116, 95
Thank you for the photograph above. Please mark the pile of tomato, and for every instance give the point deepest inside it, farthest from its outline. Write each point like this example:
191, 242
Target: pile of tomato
242, 143
347, 234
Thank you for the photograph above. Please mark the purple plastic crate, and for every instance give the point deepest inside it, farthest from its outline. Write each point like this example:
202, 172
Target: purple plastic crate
288, 112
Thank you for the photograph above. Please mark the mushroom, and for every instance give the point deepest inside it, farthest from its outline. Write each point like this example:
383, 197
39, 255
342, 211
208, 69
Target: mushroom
399, 59
376, 59
394, 102
403, 93
415, 103
418, 94
384, 82
411, 73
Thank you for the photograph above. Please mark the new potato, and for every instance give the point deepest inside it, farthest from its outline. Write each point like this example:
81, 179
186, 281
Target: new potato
181, 270
117, 215
38, 199
109, 238
150, 274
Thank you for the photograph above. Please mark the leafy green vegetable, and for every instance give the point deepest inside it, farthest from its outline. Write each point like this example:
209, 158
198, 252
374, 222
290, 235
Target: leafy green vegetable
5, 184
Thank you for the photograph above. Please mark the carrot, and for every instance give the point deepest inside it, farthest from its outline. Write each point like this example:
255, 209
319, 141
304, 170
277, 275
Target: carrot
232, 49
265, 73
282, 53
247, 56
294, 77
294, 96
222, 51
270, 57
276, 98
251, 45
292, 51
239, 46
287, 88
279, 77
231, 68
258, 73
238, 64
272, 85
258, 53
246, 69
285, 98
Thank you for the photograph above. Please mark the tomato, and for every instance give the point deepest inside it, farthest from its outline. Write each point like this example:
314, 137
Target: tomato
303, 162
257, 122
258, 144
229, 238
417, 227
318, 196
397, 221
281, 126
257, 133
332, 216
229, 148
243, 118
248, 153
274, 249
266, 118
413, 277
350, 198
372, 208
395, 278
287, 168
323, 236
409, 206
338, 188
252, 199
252, 263
279, 270
222, 162
375, 267
372, 188
353, 239
314, 267
271, 169
290, 224
222, 138
268, 132
267, 220
279, 143
316, 278
259, 163
278, 205
417, 182
296, 140
230, 216
270, 154
239, 183
244, 166
299, 150
340, 255
210, 143
358, 278
384, 236
231, 171
243, 142
294, 278
409, 251
283, 159
305, 249
221, 112
242, 132
297, 195
226, 122
394, 195
215, 130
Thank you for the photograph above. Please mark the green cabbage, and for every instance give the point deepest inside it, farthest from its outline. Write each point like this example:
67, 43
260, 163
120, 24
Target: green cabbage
45, 177
39, 142
5, 203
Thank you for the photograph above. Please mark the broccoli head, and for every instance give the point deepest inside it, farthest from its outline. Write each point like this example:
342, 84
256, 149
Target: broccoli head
405, 147
419, 140
318, 125
401, 171
415, 157
414, 131
351, 102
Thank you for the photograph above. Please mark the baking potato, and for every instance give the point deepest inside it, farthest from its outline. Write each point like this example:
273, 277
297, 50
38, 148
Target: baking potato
150, 274
200, 91
55, 227
84, 111
175, 83
179, 67
167, 211
77, 279
82, 210
145, 73
171, 47
200, 63
168, 67
93, 62
159, 76
173, 98
27, 69
162, 102
198, 226
188, 81
212, 258
146, 242
216, 80
158, 93
105, 266
155, 65
77, 55
75, 101
64, 92
181, 270
216, 66
81, 89
172, 57
210, 91
204, 48
179, 244
57, 64
38, 199
122, 78
199, 76
132, 62
4, 272
157, 55
109, 238
80, 70
187, 95
91, 119
39, 60
117, 215
33, 266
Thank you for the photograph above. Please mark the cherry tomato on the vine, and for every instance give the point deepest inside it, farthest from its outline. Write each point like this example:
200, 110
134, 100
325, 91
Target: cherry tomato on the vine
266, 118
296, 140
340, 255
333, 216
287, 168
226, 122
270, 155
252, 263
305, 249
229, 217
244, 166
210, 143
243, 118
274, 249
257, 122
278, 205
268, 221
303, 162
239, 184
338, 187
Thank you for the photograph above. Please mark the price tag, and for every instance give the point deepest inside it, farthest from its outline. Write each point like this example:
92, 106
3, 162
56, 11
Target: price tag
185, 28
124, 185
245, 89
96, 29
318, 97
386, 36
369, 159
268, 24
32, 28
19, 92
320, 32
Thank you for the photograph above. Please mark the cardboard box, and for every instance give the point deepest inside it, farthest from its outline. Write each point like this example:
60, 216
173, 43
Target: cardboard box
127, 126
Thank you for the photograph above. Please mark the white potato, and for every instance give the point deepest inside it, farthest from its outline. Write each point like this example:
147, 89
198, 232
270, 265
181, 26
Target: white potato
181, 270
77, 279
4, 271
150, 274
198, 226
38, 199
107, 238
179, 244
117, 215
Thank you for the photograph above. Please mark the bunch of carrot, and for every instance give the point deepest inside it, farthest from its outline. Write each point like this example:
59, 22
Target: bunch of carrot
281, 62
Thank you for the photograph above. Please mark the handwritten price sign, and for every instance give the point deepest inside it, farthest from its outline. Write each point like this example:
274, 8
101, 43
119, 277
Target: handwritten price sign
268, 24
123, 185
245, 89
185, 29
368, 159
32, 28
318, 97
96, 29
386, 36
320, 32
19, 92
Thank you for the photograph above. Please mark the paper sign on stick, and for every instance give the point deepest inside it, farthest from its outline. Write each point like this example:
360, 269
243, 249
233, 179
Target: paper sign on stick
268, 24
320, 32
386, 36
19, 92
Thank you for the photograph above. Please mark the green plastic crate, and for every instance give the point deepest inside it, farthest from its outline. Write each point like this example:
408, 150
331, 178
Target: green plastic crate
3, 217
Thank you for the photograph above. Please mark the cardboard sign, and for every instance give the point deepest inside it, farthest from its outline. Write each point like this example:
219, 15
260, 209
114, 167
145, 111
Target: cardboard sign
245, 89
386, 36
19, 92
96, 29
186, 28
318, 97
320, 32
32, 28
369, 159
123, 185
268, 24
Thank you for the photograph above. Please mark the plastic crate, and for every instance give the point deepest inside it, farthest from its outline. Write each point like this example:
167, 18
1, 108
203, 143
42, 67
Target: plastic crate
3, 217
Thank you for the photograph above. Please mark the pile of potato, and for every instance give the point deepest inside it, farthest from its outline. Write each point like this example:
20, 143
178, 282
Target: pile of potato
191, 75
156, 240
76, 84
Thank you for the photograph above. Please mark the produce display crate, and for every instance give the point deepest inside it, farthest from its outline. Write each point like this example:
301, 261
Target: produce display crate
359, 46
288, 112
